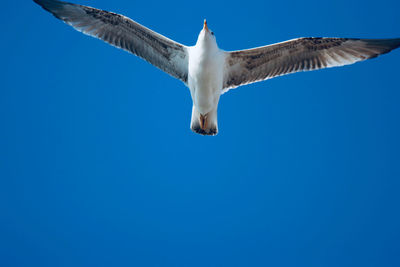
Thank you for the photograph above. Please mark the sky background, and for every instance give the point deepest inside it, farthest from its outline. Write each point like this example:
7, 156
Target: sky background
99, 167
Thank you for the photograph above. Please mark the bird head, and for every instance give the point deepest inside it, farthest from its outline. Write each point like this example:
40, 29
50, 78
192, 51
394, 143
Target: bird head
206, 35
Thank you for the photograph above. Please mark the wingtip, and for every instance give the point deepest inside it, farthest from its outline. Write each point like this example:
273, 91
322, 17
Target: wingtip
53, 6
49, 3
397, 42
38, 2
392, 44
44, 2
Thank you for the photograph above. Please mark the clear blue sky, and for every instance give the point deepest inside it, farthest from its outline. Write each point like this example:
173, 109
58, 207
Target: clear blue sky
98, 165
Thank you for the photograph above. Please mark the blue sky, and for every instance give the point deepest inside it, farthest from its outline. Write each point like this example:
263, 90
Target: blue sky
98, 165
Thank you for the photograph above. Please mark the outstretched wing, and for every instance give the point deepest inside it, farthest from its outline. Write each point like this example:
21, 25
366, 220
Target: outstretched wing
124, 33
302, 54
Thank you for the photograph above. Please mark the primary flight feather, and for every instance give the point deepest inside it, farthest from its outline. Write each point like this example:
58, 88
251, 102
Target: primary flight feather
207, 70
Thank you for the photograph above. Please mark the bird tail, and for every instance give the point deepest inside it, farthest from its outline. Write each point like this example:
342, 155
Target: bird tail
204, 124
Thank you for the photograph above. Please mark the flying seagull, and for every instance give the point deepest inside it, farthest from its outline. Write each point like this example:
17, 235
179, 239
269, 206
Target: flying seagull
207, 70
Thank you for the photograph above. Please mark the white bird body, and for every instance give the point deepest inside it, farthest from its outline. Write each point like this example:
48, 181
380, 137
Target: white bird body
205, 80
207, 70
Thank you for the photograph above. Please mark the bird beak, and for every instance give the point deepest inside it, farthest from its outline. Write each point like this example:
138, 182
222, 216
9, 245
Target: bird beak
205, 27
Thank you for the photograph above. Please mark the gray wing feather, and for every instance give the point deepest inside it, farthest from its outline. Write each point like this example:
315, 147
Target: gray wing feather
302, 54
124, 33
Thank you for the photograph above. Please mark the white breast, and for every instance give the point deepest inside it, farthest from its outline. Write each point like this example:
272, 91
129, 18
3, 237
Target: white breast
205, 75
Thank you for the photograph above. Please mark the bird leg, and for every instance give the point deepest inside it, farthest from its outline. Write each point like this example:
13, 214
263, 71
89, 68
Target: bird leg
203, 121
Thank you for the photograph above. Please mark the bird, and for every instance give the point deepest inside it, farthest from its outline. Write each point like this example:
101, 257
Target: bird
206, 69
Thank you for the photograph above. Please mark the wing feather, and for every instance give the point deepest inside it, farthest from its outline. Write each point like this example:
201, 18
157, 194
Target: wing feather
302, 54
124, 33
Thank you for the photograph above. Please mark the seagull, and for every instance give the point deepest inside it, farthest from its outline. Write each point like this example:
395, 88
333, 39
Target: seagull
207, 70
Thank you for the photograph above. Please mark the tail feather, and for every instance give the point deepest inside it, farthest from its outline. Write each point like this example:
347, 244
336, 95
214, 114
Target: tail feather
204, 125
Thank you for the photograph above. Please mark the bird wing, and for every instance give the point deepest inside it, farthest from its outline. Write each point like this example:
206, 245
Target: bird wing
302, 54
124, 33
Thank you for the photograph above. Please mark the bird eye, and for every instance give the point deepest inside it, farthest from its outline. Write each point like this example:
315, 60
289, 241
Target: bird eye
212, 33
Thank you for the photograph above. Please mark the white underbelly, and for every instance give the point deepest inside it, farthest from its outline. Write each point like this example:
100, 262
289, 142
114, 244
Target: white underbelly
205, 82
